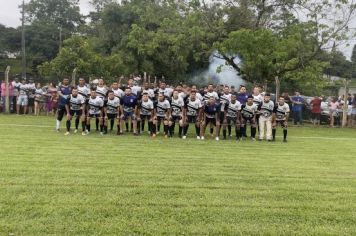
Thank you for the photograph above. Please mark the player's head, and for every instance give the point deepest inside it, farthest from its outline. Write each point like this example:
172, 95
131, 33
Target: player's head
233, 98
111, 95
211, 100
256, 90
226, 90
179, 88
23, 81
161, 97
101, 82
267, 97
130, 82
281, 100
242, 89
146, 85
75, 92
193, 94
145, 97
93, 92
210, 88
163, 85
65, 81
175, 94
128, 91
250, 100
38, 85
297, 93
115, 85
81, 81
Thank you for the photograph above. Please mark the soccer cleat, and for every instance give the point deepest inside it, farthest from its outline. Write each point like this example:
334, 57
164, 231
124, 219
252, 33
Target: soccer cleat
136, 134
165, 136
153, 135
198, 137
260, 140
84, 133
217, 139
87, 132
101, 133
253, 139
202, 137
75, 131
184, 137
67, 133
57, 130
285, 141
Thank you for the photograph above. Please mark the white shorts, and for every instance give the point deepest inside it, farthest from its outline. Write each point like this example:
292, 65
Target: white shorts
349, 110
22, 100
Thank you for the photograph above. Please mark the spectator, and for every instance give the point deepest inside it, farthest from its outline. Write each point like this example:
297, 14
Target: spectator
52, 99
297, 108
349, 110
15, 93
3, 95
354, 110
333, 109
316, 110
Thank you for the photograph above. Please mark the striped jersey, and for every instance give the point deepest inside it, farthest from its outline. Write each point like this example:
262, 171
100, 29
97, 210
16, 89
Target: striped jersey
112, 105
75, 103
281, 111
193, 106
95, 105
233, 109
177, 106
248, 111
146, 108
162, 108
266, 108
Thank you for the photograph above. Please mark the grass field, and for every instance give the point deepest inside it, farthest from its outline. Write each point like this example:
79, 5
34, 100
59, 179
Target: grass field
93, 185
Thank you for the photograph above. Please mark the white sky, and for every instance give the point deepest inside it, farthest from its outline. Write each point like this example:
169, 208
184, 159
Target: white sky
10, 16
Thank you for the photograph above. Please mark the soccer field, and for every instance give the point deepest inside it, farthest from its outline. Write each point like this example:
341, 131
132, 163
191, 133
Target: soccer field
125, 185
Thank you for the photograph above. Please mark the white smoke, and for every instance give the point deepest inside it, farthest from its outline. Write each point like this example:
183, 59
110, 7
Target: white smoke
227, 76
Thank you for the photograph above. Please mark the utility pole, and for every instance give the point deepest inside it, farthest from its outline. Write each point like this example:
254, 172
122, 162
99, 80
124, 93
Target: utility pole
23, 42
345, 108
7, 101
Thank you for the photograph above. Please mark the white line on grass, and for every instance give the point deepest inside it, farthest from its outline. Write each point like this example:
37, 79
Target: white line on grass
293, 137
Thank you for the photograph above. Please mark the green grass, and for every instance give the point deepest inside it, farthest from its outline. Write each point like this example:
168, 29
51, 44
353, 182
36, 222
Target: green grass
52, 184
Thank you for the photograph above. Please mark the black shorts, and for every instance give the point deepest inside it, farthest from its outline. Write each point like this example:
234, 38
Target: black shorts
31, 101
210, 121
282, 123
61, 112
191, 119
112, 116
77, 113
94, 115
145, 117
231, 120
161, 118
315, 116
246, 120
176, 118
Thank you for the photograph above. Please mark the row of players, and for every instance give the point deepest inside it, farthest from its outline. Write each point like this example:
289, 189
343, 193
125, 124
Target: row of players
217, 111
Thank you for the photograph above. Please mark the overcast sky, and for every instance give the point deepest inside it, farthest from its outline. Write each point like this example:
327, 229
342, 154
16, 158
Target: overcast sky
10, 16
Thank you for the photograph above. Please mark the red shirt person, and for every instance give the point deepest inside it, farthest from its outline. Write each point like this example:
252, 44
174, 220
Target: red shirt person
316, 110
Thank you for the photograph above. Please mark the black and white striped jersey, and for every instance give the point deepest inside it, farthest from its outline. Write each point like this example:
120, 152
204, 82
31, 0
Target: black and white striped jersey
118, 93
257, 99
177, 106
224, 100
162, 108
84, 91
75, 103
233, 109
193, 106
101, 92
248, 111
112, 105
281, 111
95, 105
266, 108
146, 108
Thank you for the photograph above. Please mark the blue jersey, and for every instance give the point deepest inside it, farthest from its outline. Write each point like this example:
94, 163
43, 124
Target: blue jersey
129, 103
66, 91
211, 110
242, 98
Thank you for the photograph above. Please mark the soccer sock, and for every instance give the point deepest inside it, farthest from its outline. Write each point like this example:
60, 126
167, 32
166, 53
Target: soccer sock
58, 124
211, 130
229, 129
242, 131
197, 131
112, 124
88, 128
172, 127
77, 123
186, 130
138, 126
105, 128
143, 126
127, 127
150, 124
83, 126
153, 130
131, 127
97, 123
68, 125
101, 128
253, 132
274, 133
118, 128
224, 133
237, 131
159, 127
180, 130
166, 129
285, 134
